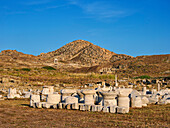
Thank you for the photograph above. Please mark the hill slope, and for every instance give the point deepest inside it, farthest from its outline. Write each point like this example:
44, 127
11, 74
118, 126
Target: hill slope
153, 65
13, 58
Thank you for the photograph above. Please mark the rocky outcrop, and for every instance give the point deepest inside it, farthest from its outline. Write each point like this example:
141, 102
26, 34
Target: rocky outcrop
119, 57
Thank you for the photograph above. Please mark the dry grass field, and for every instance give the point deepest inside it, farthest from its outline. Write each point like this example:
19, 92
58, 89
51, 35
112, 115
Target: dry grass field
17, 113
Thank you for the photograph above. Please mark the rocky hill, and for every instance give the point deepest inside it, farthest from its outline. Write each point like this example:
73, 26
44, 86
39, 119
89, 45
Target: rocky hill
83, 56
76, 54
81, 52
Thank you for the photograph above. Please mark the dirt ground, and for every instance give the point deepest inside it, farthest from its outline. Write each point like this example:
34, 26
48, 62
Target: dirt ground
17, 113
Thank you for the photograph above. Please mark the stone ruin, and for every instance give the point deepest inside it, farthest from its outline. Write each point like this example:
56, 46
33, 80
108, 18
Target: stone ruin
12, 93
113, 100
106, 99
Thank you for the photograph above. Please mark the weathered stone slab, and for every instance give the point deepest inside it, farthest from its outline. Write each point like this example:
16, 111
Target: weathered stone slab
75, 106
71, 100
99, 108
68, 106
55, 106
34, 105
105, 109
64, 105
53, 98
47, 105
122, 110
27, 95
82, 107
165, 100
112, 109
47, 90
65, 93
136, 102
39, 104
87, 107
12, 93
153, 100
60, 105
34, 99
145, 101
93, 108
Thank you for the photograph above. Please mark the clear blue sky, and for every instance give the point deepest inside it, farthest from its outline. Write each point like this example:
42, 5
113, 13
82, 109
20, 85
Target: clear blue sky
133, 27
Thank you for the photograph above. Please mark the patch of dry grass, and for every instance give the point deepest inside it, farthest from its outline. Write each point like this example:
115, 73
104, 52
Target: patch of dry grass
16, 113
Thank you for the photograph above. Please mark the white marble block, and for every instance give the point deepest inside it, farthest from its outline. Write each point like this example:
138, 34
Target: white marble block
123, 99
112, 109
145, 101
136, 102
82, 107
71, 100
105, 109
75, 106
68, 106
94, 108
47, 90
89, 96
47, 105
34, 99
109, 98
60, 105
53, 98
55, 106
87, 107
39, 104
122, 110
65, 93
99, 108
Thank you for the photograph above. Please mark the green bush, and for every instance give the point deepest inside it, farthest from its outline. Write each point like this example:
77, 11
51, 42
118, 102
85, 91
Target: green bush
48, 68
93, 76
107, 76
26, 69
143, 77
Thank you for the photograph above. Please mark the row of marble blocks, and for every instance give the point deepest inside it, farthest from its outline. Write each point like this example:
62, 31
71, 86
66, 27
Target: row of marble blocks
114, 101
82, 107
66, 101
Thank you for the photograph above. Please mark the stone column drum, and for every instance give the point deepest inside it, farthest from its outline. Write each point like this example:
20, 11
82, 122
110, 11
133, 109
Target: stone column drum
109, 98
88, 96
123, 99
